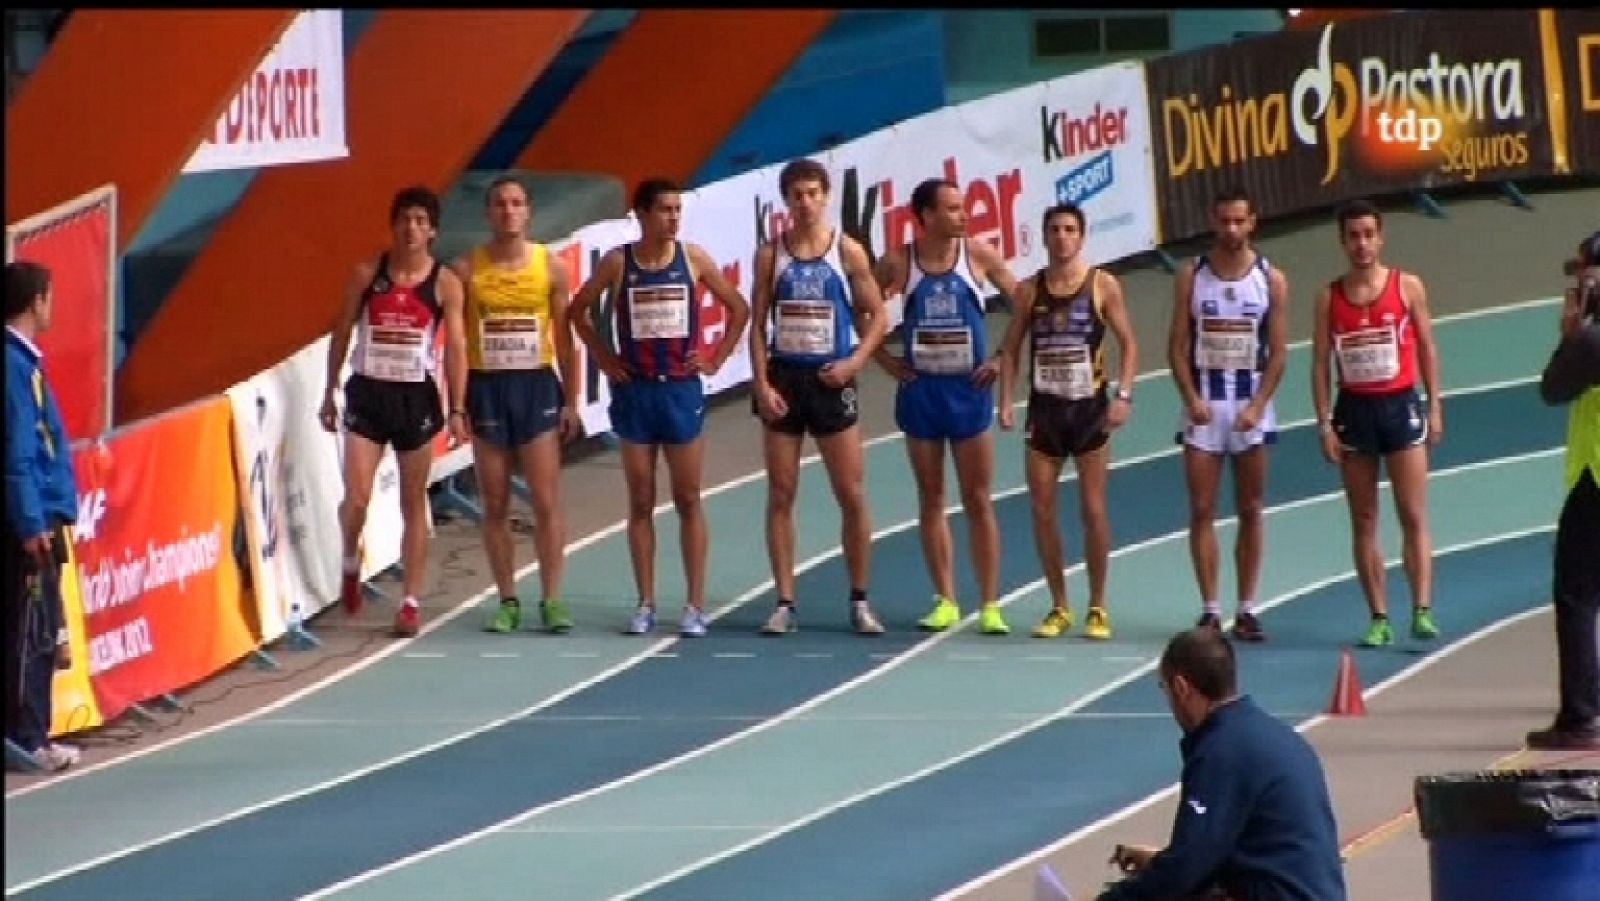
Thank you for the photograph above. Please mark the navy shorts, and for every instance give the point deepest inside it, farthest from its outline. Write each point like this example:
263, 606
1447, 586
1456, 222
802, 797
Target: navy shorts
943, 408
1379, 424
511, 408
652, 412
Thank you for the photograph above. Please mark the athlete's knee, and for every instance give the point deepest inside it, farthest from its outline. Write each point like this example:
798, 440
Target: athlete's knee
931, 500
1202, 512
1250, 510
780, 495
686, 501
1413, 518
354, 507
641, 503
1043, 505
975, 500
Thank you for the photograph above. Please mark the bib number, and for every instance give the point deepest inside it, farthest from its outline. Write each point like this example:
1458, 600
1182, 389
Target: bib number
942, 351
1226, 343
1369, 356
659, 312
1064, 372
396, 355
805, 328
510, 343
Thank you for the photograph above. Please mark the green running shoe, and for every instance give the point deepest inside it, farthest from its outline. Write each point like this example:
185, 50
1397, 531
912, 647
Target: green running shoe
945, 614
554, 616
990, 622
507, 618
1378, 633
1422, 625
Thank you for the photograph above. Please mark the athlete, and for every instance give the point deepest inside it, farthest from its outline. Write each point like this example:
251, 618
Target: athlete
1064, 313
1374, 319
658, 402
945, 395
511, 405
1227, 346
394, 306
815, 284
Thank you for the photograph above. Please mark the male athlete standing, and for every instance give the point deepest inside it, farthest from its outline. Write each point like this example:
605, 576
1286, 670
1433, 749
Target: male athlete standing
946, 396
1227, 346
816, 284
511, 404
395, 306
658, 401
1375, 321
1064, 312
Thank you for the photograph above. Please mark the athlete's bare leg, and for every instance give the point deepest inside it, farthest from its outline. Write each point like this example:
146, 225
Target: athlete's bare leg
927, 465
974, 459
1202, 472
639, 472
684, 465
1360, 474
1093, 470
841, 455
1044, 474
782, 452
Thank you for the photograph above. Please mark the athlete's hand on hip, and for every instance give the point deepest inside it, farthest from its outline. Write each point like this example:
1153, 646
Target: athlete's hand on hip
1199, 412
986, 373
897, 368
1435, 423
616, 371
1249, 417
329, 415
1331, 451
838, 373
770, 404
571, 425
1117, 413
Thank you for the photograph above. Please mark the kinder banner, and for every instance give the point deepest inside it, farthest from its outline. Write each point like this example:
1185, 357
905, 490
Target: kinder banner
291, 109
1378, 105
159, 581
1083, 138
1574, 35
77, 243
290, 476
72, 703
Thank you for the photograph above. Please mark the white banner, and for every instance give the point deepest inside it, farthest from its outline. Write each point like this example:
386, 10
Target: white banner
291, 108
291, 479
1083, 138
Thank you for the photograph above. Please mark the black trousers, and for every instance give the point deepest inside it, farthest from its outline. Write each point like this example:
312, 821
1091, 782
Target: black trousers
32, 619
1577, 602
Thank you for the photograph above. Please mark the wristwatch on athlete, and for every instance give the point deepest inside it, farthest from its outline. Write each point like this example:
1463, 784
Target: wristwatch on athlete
1123, 395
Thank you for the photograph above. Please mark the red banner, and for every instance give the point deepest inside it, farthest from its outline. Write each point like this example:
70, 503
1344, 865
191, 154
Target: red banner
162, 603
74, 243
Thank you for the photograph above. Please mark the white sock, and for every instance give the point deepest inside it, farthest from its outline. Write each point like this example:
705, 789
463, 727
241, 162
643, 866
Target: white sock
352, 565
1213, 608
409, 602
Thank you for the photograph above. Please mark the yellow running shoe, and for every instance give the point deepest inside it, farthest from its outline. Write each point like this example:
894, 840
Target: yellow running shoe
1058, 620
990, 622
1097, 624
945, 614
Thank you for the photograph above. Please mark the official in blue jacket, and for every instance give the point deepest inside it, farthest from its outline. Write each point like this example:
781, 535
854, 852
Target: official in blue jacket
41, 501
1254, 820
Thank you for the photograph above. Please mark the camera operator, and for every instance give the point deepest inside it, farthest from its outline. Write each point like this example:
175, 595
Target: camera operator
1573, 376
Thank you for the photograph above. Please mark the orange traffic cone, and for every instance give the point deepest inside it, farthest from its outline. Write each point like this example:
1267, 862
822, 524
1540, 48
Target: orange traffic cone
1347, 699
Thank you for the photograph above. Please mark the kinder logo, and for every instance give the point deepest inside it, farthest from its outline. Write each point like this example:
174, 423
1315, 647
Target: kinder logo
1063, 136
991, 205
1084, 182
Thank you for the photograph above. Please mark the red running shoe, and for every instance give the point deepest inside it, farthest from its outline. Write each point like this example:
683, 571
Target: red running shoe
407, 621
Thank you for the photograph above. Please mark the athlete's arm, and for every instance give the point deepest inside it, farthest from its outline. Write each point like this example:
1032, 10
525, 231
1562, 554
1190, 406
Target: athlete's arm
1179, 337
1415, 295
566, 353
1011, 348
339, 343
890, 274
1321, 341
453, 301
871, 319
733, 303
1115, 310
760, 314
1277, 337
580, 314
988, 262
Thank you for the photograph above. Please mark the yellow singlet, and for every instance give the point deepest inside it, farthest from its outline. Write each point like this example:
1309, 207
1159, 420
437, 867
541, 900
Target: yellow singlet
508, 313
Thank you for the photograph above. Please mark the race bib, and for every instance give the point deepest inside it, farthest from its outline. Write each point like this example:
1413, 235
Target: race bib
510, 343
1064, 372
1226, 343
1369, 356
396, 354
658, 311
805, 327
942, 351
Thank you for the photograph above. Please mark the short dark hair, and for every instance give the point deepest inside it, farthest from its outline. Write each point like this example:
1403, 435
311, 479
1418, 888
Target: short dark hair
926, 195
1233, 194
803, 170
1204, 658
502, 180
1064, 209
650, 190
1358, 209
25, 281
415, 196
1589, 250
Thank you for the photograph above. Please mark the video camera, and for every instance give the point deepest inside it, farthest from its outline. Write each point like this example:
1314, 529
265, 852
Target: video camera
1585, 268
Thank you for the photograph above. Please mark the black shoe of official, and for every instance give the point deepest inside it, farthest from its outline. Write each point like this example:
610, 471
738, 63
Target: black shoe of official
1565, 738
1247, 628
